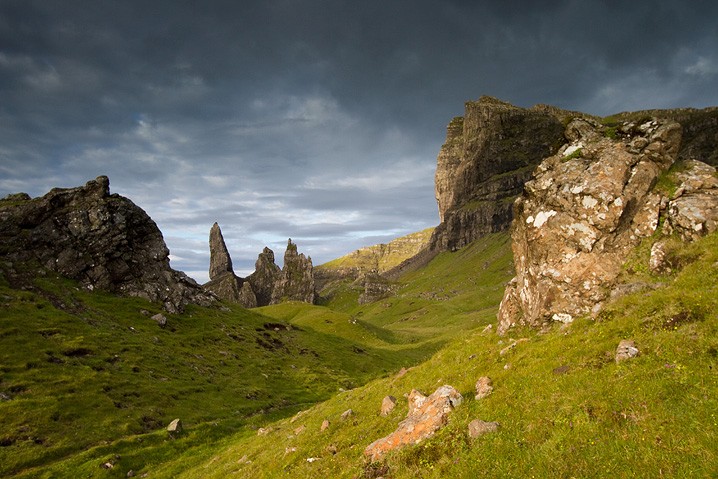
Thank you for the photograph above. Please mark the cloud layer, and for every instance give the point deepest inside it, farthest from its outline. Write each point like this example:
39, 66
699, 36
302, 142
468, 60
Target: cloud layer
316, 120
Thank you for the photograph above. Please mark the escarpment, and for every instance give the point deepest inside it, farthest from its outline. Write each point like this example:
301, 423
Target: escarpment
102, 240
488, 155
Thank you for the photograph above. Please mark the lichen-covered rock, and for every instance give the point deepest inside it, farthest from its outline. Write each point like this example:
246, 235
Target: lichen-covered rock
626, 350
426, 416
488, 155
296, 282
584, 210
693, 208
102, 240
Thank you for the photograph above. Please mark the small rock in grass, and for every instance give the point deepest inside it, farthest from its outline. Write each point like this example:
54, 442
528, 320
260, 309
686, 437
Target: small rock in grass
484, 387
626, 350
347, 414
387, 405
325, 425
477, 427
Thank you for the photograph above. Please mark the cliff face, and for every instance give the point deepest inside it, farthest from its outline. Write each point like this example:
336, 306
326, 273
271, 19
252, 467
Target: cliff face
488, 156
104, 241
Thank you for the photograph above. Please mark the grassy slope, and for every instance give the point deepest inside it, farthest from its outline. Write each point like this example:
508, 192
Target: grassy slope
653, 416
566, 409
207, 366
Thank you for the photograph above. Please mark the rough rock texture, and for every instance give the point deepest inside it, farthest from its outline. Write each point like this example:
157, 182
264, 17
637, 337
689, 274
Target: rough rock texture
104, 241
484, 387
387, 405
219, 260
296, 282
426, 416
376, 287
693, 208
265, 276
626, 350
488, 156
223, 282
587, 207
700, 130
477, 428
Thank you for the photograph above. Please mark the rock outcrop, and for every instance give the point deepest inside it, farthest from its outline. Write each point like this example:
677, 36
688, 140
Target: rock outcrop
488, 155
296, 281
589, 205
268, 284
265, 277
219, 260
222, 280
426, 416
102, 240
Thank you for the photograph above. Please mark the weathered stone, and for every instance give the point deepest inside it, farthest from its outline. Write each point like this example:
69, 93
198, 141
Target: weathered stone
376, 287
265, 277
693, 210
161, 319
296, 282
387, 405
219, 259
657, 261
175, 427
263, 431
325, 425
477, 428
576, 222
426, 416
626, 350
102, 240
484, 387
346, 414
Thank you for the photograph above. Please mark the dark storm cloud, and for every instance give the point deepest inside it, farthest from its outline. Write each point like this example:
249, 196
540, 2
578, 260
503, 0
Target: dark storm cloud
319, 120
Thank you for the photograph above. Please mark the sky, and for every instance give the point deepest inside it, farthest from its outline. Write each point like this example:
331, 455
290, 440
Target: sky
315, 120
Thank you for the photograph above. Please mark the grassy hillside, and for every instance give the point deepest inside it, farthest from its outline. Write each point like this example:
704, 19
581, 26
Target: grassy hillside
90, 378
565, 407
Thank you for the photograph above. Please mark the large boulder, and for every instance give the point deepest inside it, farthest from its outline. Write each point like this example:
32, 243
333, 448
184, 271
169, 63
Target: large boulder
102, 240
588, 206
426, 416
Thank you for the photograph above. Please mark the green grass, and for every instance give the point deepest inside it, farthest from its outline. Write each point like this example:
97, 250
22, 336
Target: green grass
565, 408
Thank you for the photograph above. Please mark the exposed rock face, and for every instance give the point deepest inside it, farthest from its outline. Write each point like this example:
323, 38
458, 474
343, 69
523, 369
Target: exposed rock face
223, 282
376, 287
265, 276
426, 416
488, 156
219, 260
296, 282
104, 241
693, 209
587, 207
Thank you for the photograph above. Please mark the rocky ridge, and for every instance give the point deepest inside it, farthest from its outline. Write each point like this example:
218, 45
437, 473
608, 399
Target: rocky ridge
102, 240
268, 284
